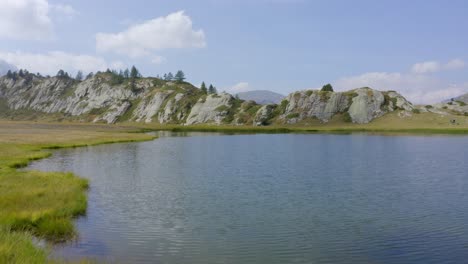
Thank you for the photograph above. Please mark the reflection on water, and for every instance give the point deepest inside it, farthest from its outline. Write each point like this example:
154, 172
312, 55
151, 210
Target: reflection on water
210, 198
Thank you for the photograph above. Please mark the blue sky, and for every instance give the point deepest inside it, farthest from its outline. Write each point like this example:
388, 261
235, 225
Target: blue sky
418, 48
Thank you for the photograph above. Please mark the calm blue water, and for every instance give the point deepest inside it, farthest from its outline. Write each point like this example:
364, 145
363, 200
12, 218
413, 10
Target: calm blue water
293, 198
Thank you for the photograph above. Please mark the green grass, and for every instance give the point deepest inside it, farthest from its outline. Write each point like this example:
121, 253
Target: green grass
43, 204
17, 248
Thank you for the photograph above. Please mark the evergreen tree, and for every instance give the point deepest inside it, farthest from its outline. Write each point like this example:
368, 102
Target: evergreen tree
212, 90
165, 77
20, 73
327, 88
60, 73
203, 88
180, 76
79, 76
90, 75
170, 77
9, 74
126, 74
134, 73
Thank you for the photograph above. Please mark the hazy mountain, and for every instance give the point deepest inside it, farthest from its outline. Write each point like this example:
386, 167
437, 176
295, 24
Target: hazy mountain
262, 96
5, 66
462, 98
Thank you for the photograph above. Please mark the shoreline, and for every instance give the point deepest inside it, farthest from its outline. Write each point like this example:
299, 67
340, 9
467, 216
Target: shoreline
43, 205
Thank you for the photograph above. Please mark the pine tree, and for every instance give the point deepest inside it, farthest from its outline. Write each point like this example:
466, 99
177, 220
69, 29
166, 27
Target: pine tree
212, 90
134, 73
203, 88
126, 74
60, 73
9, 74
180, 76
170, 77
79, 76
90, 75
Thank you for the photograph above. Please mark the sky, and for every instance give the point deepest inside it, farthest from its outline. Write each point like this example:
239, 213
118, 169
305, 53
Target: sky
418, 48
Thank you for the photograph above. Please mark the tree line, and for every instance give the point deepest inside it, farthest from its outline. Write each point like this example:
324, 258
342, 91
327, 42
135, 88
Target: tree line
210, 90
117, 77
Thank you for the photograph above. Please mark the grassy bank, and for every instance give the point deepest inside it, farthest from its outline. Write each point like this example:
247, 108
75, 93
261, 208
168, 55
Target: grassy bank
37, 203
424, 123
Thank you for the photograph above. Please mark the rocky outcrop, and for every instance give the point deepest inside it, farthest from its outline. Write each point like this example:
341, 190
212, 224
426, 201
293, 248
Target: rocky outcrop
149, 108
102, 99
210, 109
361, 105
264, 114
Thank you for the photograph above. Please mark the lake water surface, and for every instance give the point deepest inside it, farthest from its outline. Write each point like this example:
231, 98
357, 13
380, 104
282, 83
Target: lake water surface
280, 198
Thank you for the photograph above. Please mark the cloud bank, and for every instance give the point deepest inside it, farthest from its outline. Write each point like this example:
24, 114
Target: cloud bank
174, 31
51, 62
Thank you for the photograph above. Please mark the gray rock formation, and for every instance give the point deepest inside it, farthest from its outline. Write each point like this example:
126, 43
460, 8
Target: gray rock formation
362, 105
264, 114
100, 99
210, 109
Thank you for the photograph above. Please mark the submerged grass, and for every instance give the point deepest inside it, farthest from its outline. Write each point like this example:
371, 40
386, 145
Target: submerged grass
43, 204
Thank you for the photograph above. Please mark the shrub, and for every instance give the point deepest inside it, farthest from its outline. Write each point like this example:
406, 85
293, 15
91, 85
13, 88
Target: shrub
347, 118
428, 106
416, 111
292, 115
461, 103
327, 88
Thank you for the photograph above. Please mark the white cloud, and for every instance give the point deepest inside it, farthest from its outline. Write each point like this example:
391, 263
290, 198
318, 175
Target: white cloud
25, 19
426, 67
435, 66
172, 31
238, 88
51, 62
417, 88
455, 64
158, 59
65, 10
30, 19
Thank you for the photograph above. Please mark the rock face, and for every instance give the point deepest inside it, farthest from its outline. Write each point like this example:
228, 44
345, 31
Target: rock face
362, 105
211, 109
264, 114
101, 99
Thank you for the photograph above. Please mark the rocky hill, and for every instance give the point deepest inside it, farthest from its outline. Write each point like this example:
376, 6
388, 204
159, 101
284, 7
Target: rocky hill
101, 99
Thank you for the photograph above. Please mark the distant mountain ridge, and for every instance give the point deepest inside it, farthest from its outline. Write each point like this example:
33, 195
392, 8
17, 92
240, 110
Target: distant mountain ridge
462, 98
261, 96
5, 67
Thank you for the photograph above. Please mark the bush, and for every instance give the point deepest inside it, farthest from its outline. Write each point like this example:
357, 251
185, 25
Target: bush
292, 115
327, 88
461, 103
347, 118
416, 111
428, 106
